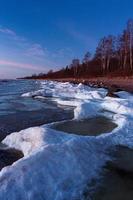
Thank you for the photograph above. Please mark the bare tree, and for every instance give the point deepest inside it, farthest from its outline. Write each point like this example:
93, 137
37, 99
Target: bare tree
87, 57
100, 53
130, 41
119, 50
109, 49
75, 64
125, 48
104, 52
50, 72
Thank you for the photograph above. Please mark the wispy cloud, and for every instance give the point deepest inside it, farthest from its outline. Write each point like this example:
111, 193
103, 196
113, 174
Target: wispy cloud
20, 65
29, 48
22, 53
11, 34
7, 31
36, 50
23, 45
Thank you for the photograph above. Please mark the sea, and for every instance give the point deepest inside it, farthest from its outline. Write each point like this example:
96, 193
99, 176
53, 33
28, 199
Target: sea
18, 113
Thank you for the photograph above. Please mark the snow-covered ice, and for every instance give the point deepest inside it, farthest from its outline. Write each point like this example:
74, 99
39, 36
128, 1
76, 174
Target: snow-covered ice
60, 166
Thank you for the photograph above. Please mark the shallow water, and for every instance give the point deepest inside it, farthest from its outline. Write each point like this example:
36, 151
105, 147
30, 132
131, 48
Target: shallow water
92, 126
9, 156
17, 113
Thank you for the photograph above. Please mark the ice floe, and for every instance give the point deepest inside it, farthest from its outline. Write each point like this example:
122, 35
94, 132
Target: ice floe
57, 165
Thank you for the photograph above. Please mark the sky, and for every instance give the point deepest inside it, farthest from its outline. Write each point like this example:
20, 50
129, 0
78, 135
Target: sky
39, 35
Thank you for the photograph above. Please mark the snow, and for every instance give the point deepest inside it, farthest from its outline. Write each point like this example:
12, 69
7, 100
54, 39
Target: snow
125, 95
67, 90
59, 169
57, 165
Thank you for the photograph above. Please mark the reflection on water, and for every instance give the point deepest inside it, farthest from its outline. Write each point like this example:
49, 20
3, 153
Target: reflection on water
92, 126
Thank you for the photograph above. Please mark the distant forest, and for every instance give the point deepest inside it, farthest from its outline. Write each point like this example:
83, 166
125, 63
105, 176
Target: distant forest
113, 57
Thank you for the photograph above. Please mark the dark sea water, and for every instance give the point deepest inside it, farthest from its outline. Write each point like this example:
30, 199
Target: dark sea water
17, 112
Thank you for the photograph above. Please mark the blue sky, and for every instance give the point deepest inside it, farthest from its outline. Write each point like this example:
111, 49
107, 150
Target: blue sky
38, 35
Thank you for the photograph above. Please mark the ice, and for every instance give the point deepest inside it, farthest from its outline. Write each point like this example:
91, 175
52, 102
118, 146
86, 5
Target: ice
121, 106
57, 165
86, 109
125, 95
67, 90
28, 141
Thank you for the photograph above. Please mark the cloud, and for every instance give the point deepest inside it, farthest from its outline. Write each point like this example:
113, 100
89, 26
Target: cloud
25, 56
22, 45
11, 34
36, 50
7, 31
21, 65
29, 48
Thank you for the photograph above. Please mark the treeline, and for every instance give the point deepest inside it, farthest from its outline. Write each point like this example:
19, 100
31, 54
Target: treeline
113, 57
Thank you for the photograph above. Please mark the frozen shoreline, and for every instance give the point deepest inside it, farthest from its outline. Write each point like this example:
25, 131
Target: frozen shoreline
57, 165
115, 83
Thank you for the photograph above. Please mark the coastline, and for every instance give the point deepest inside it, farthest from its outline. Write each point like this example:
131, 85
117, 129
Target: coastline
104, 82
114, 84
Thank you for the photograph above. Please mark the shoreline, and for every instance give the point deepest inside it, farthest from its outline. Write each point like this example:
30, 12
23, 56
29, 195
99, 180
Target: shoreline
112, 84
